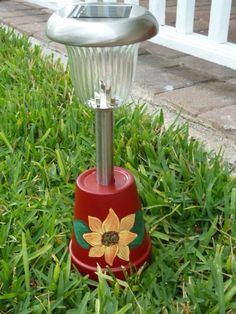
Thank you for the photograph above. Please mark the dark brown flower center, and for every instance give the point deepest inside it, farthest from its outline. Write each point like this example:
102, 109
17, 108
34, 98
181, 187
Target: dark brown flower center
110, 238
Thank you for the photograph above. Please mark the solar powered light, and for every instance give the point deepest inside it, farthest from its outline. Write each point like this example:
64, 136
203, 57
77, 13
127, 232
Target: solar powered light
102, 41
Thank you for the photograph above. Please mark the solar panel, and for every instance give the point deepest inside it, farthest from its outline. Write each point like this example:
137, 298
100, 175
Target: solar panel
101, 11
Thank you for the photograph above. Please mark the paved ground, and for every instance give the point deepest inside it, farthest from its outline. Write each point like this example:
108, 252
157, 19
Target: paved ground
204, 92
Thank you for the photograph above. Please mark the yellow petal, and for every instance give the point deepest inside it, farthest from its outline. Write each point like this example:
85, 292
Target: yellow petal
97, 251
111, 223
110, 253
93, 238
126, 237
123, 253
127, 222
95, 224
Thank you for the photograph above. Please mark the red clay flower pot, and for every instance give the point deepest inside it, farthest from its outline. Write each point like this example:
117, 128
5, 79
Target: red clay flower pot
108, 226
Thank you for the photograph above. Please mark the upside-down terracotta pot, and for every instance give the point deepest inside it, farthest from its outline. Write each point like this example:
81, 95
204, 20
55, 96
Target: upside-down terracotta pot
108, 227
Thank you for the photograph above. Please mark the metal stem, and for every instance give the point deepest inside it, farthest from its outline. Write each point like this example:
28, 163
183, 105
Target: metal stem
104, 149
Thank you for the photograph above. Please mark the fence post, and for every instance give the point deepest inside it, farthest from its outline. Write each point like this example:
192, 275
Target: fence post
185, 16
158, 9
132, 2
219, 20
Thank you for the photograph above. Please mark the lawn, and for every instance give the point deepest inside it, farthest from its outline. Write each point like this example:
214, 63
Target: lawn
188, 197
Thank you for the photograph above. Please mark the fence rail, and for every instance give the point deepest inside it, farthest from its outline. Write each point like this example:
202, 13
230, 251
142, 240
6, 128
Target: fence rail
213, 47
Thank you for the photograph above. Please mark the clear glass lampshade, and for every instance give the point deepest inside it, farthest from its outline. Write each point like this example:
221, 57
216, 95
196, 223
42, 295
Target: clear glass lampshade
102, 77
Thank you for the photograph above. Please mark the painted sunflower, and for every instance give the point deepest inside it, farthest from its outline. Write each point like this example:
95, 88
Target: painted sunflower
110, 237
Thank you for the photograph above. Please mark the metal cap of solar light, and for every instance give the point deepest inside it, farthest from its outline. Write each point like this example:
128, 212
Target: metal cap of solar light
102, 41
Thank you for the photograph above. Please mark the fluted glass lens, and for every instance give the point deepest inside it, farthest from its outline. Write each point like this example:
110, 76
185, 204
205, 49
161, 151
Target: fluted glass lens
102, 77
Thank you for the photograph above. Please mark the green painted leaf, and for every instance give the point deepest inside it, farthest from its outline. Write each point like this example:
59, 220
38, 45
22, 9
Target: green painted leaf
79, 229
138, 228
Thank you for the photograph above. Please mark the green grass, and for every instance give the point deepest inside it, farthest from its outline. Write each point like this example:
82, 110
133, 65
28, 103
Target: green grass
188, 196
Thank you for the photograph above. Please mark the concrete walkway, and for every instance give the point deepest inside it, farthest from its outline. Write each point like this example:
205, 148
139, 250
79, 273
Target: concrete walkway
204, 92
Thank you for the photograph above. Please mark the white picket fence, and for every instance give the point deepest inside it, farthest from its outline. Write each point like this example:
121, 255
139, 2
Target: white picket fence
213, 47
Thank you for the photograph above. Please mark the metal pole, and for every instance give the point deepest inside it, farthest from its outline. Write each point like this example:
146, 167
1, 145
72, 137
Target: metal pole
104, 146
